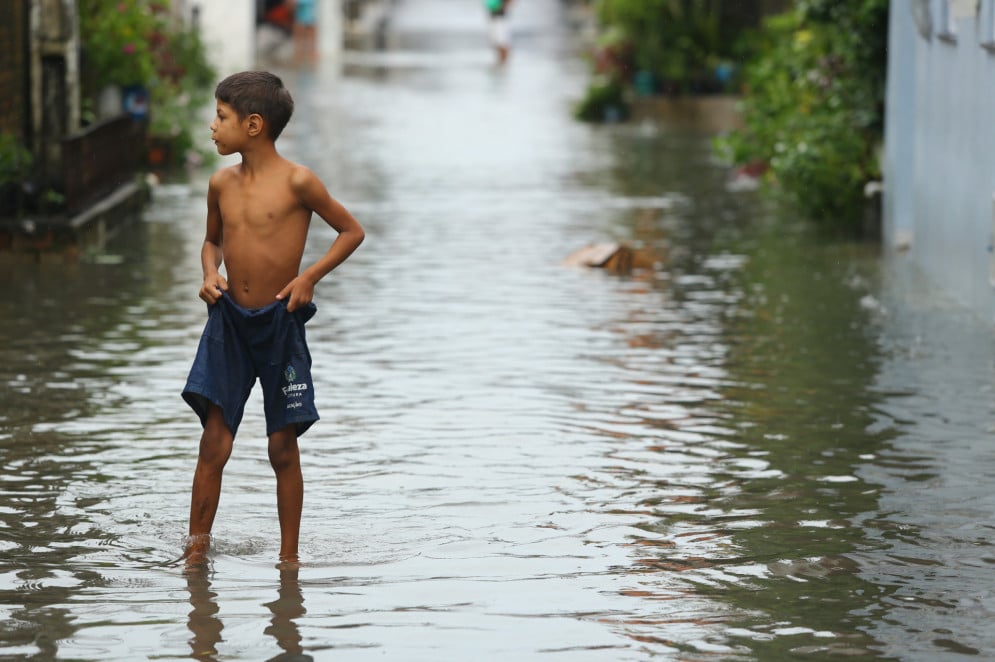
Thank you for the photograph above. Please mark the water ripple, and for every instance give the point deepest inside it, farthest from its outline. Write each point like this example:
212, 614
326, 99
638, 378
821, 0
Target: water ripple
727, 458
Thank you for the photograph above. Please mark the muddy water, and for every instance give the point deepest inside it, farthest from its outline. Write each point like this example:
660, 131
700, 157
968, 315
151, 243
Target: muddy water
770, 447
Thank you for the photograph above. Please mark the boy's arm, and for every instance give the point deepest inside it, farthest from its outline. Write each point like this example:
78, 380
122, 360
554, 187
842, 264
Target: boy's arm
211, 253
313, 195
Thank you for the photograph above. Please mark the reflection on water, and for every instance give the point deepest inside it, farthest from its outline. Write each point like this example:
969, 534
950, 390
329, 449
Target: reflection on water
286, 608
203, 621
769, 448
207, 627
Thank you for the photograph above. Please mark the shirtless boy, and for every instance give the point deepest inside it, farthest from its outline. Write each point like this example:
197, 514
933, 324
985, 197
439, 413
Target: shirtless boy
258, 214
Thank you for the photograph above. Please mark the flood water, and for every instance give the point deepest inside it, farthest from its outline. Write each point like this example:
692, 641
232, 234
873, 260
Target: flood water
773, 446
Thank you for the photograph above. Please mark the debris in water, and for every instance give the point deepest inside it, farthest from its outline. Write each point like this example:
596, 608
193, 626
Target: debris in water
615, 257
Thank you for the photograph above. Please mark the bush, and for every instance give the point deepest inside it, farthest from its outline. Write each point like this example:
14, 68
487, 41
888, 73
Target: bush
813, 109
667, 47
118, 41
15, 166
140, 42
15, 160
604, 102
682, 45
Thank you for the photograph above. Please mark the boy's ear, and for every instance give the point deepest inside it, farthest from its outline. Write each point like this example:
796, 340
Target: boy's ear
254, 124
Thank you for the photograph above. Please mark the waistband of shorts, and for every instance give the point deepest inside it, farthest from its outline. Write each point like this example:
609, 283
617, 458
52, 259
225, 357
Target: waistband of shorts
252, 312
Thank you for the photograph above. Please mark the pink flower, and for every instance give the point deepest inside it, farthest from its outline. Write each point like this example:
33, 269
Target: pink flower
122, 7
128, 49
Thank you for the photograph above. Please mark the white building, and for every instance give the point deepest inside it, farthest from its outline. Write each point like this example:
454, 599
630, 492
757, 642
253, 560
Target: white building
228, 28
939, 163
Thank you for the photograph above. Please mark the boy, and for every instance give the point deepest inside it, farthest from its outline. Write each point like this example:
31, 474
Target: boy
258, 214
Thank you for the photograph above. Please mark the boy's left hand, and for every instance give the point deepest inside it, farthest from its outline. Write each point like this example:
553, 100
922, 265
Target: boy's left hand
299, 292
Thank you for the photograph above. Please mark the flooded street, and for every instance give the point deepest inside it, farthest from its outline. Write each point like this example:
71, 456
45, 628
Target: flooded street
774, 446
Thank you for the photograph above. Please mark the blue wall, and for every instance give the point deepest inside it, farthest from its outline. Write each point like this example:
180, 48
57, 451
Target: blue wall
939, 161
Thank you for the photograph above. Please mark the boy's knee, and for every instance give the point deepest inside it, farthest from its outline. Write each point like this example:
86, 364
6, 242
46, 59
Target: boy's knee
215, 451
216, 441
283, 452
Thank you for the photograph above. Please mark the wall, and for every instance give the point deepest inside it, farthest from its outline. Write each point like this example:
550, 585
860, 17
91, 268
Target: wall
940, 146
228, 28
13, 67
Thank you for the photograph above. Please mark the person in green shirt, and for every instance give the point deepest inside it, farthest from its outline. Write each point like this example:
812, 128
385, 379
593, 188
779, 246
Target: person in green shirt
500, 35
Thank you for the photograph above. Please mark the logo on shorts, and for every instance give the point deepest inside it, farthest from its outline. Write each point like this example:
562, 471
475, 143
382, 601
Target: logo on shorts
292, 390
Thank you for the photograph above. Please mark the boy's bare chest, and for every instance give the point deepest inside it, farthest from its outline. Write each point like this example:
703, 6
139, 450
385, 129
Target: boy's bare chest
258, 209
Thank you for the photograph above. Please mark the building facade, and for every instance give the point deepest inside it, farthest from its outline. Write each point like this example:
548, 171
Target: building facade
228, 28
59, 181
39, 75
39, 91
939, 161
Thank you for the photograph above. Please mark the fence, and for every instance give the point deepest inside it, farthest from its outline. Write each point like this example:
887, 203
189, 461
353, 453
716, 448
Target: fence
100, 158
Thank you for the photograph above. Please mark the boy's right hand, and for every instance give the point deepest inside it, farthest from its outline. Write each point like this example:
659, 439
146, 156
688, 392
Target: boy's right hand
212, 288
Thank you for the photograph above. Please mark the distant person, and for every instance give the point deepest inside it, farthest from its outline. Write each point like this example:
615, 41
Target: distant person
258, 213
278, 14
274, 27
500, 34
305, 49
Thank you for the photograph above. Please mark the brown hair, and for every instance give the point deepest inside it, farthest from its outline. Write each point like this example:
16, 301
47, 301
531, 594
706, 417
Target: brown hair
258, 92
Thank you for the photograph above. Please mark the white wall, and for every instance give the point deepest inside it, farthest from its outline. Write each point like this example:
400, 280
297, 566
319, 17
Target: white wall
330, 27
940, 150
899, 155
228, 28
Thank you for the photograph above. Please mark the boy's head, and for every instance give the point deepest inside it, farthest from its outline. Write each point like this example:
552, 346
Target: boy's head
260, 93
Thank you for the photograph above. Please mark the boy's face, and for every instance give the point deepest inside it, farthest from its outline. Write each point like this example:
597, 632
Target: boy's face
227, 130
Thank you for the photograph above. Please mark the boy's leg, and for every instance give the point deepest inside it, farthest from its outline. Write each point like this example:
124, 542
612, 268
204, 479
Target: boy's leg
215, 449
285, 458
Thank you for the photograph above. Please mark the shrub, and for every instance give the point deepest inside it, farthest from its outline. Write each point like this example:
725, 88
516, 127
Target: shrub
15, 160
140, 42
118, 41
683, 45
604, 101
813, 108
668, 47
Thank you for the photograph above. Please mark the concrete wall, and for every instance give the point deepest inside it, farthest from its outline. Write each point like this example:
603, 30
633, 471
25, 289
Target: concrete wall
228, 28
13, 67
331, 29
940, 144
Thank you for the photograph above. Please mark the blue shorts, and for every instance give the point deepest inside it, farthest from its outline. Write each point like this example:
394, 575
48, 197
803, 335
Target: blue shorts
237, 346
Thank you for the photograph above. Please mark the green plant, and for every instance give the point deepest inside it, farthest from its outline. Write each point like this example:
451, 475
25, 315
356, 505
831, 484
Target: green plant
605, 99
15, 168
684, 45
814, 106
175, 110
142, 42
15, 160
182, 89
118, 40
180, 57
53, 198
